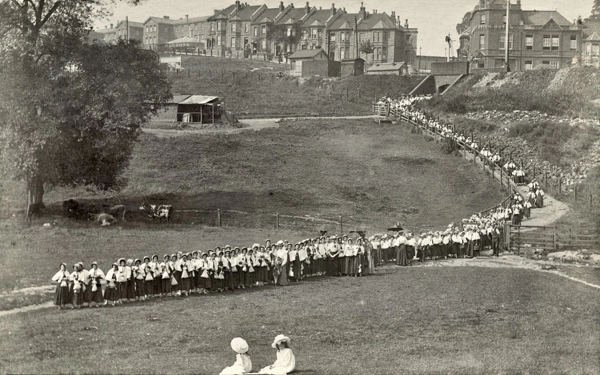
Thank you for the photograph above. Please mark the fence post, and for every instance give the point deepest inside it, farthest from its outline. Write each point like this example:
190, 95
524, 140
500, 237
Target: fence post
277, 221
501, 178
546, 179
559, 186
218, 217
519, 240
341, 225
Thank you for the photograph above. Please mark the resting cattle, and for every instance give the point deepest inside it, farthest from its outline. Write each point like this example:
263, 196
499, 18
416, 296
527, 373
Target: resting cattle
163, 211
116, 210
104, 219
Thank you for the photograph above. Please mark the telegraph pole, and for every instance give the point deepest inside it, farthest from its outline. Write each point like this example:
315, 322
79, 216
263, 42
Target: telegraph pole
127, 27
506, 44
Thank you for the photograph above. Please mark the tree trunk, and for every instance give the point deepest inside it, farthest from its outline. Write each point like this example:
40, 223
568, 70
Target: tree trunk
35, 193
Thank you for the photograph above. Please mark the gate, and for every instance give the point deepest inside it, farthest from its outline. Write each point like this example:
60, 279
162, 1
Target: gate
522, 237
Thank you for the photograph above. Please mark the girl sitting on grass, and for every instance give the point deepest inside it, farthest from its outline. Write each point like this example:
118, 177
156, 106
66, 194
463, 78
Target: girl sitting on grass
242, 364
286, 362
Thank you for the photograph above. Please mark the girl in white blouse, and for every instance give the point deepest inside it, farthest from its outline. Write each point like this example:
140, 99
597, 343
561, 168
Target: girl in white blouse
61, 278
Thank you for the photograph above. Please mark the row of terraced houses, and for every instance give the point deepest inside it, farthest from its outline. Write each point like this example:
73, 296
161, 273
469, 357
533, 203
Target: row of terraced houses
256, 31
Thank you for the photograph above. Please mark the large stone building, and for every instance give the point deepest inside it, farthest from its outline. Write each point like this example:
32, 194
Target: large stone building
536, 38
243, 30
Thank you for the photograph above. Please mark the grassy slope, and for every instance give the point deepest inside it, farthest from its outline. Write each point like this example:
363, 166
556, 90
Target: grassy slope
372, 175
413, 321
250, 91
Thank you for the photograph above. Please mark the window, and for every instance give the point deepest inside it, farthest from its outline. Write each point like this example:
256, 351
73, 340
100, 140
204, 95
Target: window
554, 64
504, 19
246, 27
313, 33
528, 65
233, 27
288, 32
212, 26
481, 41
528, 41
384, 53
555, 42
218, 26
573, 44
482, 19
342, 37
383, 36
342, 53
375, 36
547, 42
218, 39
263, 29
320, 34
596, 50
545, 62
408, 38
332, 37
255, 30
503, 41
263, 43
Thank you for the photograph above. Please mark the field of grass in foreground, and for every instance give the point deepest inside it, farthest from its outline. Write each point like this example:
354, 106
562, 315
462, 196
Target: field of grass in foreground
412, 321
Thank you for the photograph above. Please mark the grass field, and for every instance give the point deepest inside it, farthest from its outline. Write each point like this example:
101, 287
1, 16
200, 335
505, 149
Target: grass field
418, 320
251, 88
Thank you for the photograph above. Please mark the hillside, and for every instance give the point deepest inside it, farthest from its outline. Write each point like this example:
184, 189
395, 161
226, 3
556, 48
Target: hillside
252, 88
371, 174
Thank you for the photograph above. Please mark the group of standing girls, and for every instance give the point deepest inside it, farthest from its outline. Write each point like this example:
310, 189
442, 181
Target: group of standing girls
218, 270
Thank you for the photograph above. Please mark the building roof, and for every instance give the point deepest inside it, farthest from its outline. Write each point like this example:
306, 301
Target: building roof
185, 39
106, 31
247, 12
178, 99
183, 21
345, 22
199, 99
294, 14
267, 16
167, 21
386, 67
590, 28
377, 21
321, 16
306, 53
223, 13
542, 17
595, 37
131, 24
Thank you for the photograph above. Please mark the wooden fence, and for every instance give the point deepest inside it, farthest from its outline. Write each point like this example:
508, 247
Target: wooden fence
521, 238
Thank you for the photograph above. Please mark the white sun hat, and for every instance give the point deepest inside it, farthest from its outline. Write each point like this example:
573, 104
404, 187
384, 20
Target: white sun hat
279, 339
239, 345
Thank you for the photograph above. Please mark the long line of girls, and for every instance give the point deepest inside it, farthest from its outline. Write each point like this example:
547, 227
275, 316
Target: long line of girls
218, 270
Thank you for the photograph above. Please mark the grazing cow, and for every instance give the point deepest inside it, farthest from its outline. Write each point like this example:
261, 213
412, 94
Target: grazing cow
104, 219
158, 211
35, 209
116, 210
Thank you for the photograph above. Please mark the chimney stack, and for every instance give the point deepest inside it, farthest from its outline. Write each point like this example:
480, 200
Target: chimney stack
333, 10
281, 7
111, 25
406, 24
363, 11
238, 5
187, 18
166, 17
393, 14
307, 7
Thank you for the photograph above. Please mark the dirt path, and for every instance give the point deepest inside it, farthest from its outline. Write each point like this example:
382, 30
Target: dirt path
250, 124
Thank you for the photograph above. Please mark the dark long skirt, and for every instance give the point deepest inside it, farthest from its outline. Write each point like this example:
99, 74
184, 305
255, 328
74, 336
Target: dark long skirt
470, 248
97, 294
177, 275
112, 294
131, 289
341, 264
166, 286
283, 276
61, 295
443, 251
236, 278
332, 269
297, 269
140, 289
157, 285
185, 284
402, 256
250, 278
122, 286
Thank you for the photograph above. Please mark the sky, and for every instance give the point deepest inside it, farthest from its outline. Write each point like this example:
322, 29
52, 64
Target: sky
433, 18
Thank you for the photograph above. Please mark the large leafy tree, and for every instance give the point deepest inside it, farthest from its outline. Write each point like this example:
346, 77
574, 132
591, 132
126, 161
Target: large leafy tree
285, 35
70, 110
